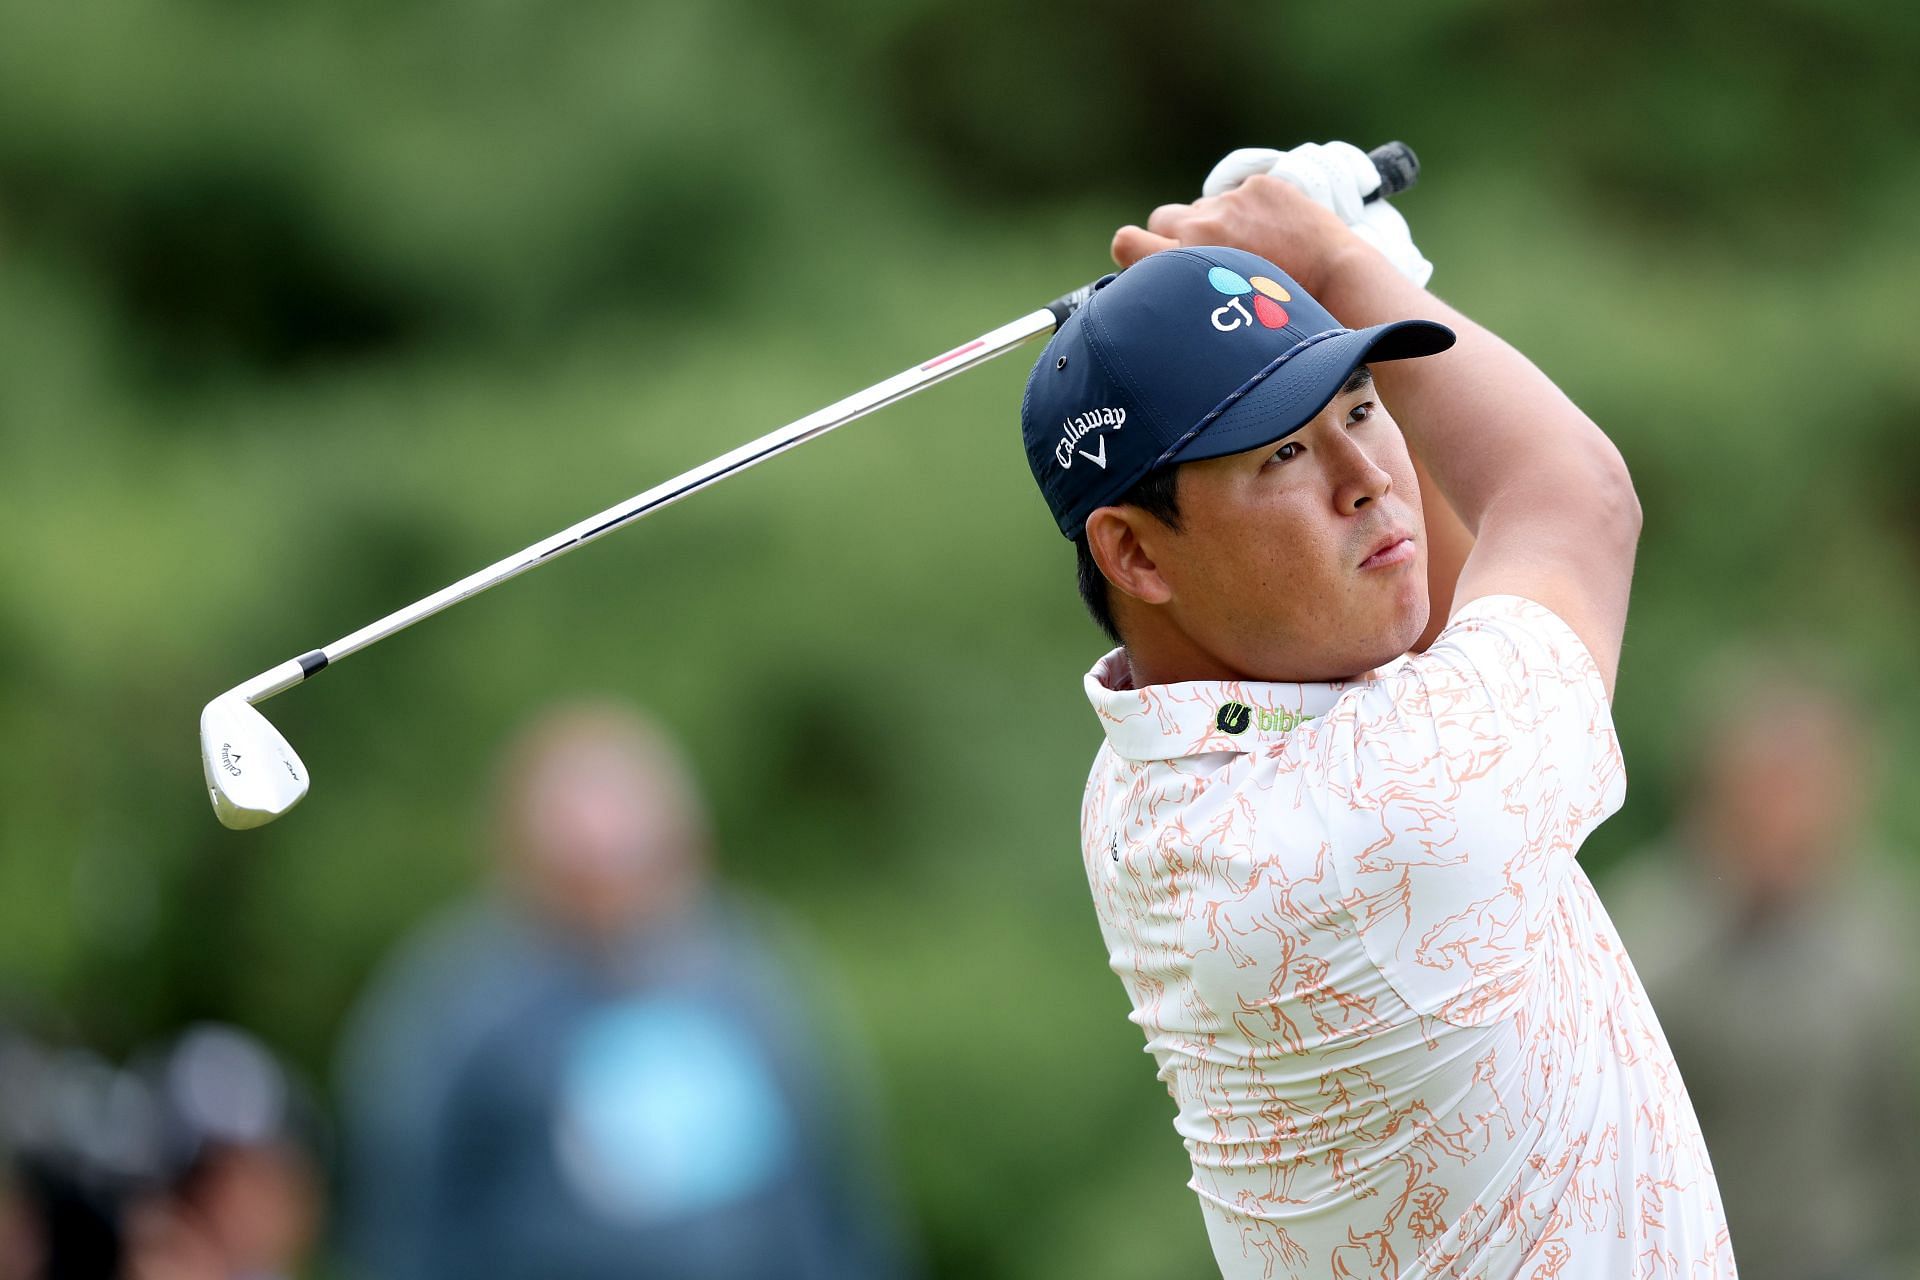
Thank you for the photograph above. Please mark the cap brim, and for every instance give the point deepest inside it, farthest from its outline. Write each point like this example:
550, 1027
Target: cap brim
1289, 396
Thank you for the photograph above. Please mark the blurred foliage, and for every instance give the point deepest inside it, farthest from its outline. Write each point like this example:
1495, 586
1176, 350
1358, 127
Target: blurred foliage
308, 308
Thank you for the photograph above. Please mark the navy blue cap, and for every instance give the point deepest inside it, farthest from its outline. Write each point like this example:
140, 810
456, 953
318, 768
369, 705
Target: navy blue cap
1189, 353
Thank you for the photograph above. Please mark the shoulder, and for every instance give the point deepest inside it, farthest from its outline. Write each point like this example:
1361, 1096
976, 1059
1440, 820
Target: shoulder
1458, 785
1513, 640
1505, 670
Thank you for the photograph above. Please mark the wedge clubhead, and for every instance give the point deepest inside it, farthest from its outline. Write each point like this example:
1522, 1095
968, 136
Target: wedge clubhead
253, 776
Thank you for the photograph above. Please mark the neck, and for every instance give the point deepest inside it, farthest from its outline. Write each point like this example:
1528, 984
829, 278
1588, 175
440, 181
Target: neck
1158, 655
1151, 667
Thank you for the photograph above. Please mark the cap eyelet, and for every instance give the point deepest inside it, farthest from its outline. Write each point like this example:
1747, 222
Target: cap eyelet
1061, 363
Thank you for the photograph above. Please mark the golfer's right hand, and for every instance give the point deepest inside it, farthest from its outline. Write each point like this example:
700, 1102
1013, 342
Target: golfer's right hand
1339, 176
1263, 215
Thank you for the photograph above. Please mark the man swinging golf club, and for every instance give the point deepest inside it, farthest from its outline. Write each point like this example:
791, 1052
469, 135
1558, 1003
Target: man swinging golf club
1336, 870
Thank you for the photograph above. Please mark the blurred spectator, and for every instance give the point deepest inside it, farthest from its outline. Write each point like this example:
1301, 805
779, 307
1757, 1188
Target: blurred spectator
1776, 948
195, 1163
608, 1068
22, 1254
246, 1202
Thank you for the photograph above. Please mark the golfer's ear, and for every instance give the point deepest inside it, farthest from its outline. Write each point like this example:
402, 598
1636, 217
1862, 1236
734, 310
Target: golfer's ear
1114, 536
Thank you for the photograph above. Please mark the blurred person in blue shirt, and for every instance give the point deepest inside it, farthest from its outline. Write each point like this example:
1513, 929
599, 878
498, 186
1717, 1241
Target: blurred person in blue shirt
1775, 942
609, 1067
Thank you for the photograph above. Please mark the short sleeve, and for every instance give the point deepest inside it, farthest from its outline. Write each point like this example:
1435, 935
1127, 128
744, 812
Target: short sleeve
1460, 785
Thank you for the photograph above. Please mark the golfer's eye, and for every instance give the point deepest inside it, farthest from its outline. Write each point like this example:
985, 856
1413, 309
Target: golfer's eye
1286, 452
1360, 412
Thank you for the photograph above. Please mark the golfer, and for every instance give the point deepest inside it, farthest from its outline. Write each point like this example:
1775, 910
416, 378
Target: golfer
1334, 866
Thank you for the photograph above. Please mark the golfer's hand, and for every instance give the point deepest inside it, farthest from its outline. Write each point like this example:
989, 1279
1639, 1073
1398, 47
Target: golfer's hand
1340, 176
1262, 215
1305, 209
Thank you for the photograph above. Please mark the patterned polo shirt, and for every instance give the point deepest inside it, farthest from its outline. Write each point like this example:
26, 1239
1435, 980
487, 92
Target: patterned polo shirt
1402, 1034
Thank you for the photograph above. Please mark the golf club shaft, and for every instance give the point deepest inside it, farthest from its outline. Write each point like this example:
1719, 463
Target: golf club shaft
1398, 169
901, 385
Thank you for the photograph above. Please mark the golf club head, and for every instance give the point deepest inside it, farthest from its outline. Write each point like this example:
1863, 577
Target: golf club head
253, 776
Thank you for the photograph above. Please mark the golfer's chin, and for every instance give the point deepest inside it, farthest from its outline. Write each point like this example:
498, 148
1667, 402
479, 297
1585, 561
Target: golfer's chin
1375, 622
1402, 618
1369, 639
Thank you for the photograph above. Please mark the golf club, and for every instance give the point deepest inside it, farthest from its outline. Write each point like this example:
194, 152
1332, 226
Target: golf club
253, 775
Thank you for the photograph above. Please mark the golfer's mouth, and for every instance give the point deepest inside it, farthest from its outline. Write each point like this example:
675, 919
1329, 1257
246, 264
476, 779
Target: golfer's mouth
1396, 548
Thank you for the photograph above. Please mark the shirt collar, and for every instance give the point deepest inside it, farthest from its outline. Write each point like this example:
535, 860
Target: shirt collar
1168, 721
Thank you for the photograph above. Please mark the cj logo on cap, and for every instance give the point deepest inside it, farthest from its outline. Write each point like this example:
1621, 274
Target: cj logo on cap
1267, 295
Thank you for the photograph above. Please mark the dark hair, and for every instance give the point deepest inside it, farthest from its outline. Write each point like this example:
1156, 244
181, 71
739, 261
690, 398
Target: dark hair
1156, 493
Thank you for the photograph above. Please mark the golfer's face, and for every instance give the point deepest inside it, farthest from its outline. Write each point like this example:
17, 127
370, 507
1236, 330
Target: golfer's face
1273, 570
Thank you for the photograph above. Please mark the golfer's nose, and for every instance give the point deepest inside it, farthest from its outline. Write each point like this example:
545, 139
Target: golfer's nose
1358, 479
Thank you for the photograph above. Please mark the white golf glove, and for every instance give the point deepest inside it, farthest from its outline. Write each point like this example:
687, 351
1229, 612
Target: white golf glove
1339, 176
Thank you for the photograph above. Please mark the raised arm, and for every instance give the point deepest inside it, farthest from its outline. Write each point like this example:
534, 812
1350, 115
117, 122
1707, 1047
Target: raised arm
1541, 489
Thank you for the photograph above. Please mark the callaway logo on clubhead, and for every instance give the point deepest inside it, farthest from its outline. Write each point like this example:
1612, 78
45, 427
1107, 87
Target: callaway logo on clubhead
1266, 294
1082, 425
229, 758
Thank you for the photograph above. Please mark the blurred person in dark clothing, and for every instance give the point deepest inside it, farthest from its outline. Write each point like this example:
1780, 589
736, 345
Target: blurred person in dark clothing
21, 1250
246, 1202
610, 1067
1775, 944
196, 1162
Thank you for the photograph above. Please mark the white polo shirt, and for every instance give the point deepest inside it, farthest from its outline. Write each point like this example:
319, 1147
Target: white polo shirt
1403, 1035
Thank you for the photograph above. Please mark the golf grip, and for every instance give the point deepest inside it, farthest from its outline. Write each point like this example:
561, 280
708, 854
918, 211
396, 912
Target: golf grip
1395, 162
1397, 166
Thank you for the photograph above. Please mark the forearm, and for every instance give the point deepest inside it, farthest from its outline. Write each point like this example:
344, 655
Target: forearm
1482, 419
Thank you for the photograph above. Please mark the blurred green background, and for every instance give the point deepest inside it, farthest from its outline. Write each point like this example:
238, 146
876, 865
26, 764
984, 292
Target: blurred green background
309, 308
